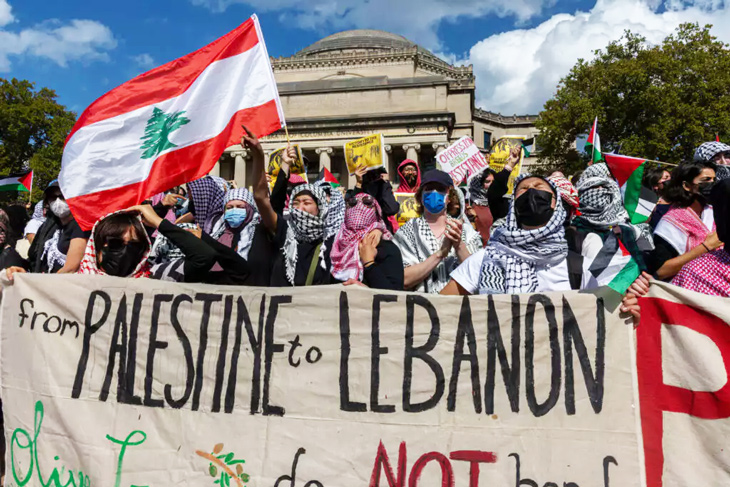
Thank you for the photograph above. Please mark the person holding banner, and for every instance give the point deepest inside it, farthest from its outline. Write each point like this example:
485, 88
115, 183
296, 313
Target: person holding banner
529, 253
499, 203
434, 244
375, 183
302, 253
479, 185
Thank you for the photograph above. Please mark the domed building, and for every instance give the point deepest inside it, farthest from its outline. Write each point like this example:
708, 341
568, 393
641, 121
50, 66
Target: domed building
362, 82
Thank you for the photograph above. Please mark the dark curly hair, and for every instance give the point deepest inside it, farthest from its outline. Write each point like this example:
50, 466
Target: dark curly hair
652, 176
686, 172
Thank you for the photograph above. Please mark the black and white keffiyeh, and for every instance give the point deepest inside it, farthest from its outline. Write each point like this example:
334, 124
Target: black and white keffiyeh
416, 241
336, 208
207, 194
53, 257
514, 254
708, 150
477, 193
305, 227
601, 205
246, 235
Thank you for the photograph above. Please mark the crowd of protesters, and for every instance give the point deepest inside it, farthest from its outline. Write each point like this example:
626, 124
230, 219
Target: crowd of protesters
475, 239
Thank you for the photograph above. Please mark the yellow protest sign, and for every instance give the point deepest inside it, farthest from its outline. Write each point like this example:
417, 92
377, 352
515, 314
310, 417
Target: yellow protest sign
276, 160
499, 154
408, 206
367, 151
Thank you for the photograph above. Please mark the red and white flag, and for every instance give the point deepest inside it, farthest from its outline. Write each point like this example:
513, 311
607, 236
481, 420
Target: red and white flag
169, 125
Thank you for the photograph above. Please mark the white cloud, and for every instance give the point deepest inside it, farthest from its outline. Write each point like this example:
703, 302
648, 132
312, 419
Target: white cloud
517, 71
417, 20
77, 40
6, 14
144, 61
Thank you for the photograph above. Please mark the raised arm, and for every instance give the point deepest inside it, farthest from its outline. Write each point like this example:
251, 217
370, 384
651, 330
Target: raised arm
260, 187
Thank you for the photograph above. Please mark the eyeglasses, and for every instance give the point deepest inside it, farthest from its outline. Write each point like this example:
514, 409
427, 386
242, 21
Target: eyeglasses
116, 244
366, 200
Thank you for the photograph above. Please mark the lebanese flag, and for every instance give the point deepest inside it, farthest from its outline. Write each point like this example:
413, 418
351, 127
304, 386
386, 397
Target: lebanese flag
17, 182
593, 144
169, 125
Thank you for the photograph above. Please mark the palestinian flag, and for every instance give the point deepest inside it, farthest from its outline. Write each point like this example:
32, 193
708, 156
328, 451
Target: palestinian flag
593, 144
528, 146
628, 172
17, 182
614, 266
326, 175
170, 125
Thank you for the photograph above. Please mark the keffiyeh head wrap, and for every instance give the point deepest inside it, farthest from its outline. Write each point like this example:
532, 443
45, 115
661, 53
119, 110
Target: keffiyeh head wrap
360, 220
477, 193
708, 150
513, 254
304, 227
566, 189
90, 266
207, 194
602, 208
163, 250
248, 228
336, 208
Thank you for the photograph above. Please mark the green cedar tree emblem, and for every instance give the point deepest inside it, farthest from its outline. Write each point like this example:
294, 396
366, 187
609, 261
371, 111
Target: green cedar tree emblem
159, 127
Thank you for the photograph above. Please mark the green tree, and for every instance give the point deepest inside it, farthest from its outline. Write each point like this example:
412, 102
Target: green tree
33, 130
658, 102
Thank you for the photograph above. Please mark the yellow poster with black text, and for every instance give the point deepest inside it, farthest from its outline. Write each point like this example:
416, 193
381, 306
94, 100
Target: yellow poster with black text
276, 160
408, 207
499, 154
367, 152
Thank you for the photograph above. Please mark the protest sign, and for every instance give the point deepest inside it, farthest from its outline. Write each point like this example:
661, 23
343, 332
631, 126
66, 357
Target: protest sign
408, 205
499, 153
140, 382
367, 152
683, 365
460, 159
276, 160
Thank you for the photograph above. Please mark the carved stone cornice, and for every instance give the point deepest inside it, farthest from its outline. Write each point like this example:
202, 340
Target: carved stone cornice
505, 120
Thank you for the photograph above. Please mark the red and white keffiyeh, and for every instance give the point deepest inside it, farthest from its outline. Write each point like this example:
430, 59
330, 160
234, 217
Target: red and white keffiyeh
359, 221
90, 266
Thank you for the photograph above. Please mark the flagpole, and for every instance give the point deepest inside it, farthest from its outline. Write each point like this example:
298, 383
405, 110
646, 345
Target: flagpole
30, 194
660, 162
286, 131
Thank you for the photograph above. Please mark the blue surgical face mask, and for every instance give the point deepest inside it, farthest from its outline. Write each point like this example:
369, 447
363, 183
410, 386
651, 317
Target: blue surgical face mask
235, 217
434, 202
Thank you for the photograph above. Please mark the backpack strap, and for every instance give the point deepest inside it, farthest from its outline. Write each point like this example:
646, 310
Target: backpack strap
313, 266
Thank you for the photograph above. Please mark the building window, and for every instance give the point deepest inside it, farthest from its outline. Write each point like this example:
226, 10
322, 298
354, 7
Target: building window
487, 140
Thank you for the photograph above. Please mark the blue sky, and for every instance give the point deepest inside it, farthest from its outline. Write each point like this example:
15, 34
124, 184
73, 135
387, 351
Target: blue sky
519, 48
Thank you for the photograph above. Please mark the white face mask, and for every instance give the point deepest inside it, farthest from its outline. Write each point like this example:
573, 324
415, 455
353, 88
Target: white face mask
60, 208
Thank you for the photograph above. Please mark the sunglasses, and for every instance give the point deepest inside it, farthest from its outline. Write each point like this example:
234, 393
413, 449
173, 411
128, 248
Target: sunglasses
116, 244
366, 200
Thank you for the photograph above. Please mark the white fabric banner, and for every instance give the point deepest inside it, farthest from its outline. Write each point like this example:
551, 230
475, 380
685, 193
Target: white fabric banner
114, 382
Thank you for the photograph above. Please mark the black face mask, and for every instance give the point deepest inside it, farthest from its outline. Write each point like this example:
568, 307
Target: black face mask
121, 261
533, 208
703, 192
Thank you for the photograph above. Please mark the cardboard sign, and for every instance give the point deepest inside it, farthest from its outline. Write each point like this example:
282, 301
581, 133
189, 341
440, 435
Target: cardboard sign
367, 152
460, 159
276, 160
139, 382
408, 205
499, 154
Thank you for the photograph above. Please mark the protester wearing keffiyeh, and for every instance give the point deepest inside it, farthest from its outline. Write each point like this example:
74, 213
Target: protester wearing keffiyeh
707, 152
359, 221
207, 194
305, 227
242, 236
514, 254
336, 208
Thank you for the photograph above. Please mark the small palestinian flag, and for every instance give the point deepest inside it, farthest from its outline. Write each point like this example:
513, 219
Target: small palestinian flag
614, 266
17, 182
528, 146
628, 172
326, 175
593, 144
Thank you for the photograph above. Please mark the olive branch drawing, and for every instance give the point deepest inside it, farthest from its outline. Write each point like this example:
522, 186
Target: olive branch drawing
223, 466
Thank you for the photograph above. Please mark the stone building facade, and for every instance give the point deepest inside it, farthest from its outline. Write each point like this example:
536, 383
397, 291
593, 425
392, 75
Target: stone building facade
360, 82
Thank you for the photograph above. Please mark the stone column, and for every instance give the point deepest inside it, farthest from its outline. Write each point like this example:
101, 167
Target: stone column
439, 147
325, 160
412, 151
239, 169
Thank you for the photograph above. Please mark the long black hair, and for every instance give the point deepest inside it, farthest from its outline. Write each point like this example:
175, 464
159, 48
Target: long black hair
674, 191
